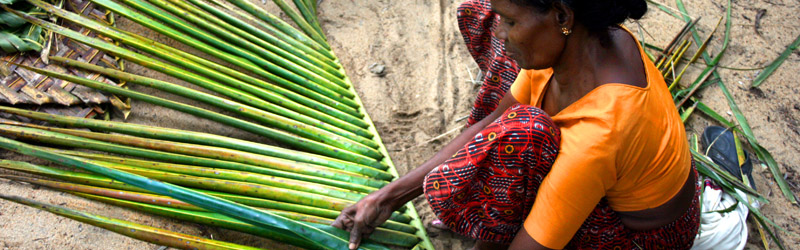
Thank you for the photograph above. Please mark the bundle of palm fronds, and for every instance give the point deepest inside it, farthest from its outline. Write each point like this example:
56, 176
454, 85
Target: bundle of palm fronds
288, 86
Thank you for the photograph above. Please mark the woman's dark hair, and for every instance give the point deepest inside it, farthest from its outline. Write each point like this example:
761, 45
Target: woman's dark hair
596, 15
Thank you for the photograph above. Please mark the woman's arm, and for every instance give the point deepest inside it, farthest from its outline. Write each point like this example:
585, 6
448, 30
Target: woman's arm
524, 241
363, 217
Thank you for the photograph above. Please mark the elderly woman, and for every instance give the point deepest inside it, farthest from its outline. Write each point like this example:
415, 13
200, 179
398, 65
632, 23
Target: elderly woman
585, 151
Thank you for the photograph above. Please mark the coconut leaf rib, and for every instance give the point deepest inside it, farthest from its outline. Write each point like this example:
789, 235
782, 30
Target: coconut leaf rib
351, 150
276, 22
74, 177
319, 95
234, 187
351, 132
311, 81
165, 201
188, 137
274, 102
285, 42
225, 174
189, 149
298, 39
308, 15
99, 181
194, 150
93, 180
315, 34
245, 213
316, 65
278, 168
148, 198
218, 220
263, 50
133, 230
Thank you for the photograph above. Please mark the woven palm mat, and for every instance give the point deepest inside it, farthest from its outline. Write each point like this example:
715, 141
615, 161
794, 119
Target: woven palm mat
33, 91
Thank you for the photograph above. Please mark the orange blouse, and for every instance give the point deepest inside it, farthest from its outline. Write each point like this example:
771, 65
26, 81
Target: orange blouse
619, 141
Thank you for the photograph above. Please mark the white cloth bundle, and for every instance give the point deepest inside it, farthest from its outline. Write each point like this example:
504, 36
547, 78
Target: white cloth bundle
721, 230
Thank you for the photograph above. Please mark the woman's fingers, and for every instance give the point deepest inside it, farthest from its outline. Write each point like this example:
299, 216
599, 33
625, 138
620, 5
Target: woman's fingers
361, 220
345, 219
355, 235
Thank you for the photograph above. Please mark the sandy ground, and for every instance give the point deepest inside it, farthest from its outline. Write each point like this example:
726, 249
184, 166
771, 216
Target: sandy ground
428, 90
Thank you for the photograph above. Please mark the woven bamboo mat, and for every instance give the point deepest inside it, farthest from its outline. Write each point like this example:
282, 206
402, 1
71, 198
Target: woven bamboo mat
30, 90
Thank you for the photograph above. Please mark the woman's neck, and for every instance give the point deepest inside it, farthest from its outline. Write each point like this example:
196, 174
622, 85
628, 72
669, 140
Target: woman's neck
576, 72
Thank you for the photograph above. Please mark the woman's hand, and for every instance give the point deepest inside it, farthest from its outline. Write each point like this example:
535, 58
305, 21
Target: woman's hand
362, 218
374, 209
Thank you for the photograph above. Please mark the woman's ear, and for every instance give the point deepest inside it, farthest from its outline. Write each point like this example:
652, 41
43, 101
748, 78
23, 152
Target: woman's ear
564, 15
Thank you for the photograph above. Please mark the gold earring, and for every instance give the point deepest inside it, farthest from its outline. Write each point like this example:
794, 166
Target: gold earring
565, 31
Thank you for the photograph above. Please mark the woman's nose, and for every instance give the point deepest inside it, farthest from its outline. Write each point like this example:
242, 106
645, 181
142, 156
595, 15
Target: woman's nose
501, 32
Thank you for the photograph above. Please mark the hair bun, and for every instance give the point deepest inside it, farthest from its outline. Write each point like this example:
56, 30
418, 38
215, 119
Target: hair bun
636, 8
599, 15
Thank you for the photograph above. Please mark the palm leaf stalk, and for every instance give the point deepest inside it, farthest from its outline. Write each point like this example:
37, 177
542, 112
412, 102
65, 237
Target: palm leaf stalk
721, 174
133, 230
251, 84
334, 146
688, 112
312, 5
99, 181
282, 41
180, 148
189, 149
225, 174
206, 218
189, 137
696, 56
390, 228
304, 26
262, 49
276, 22
673, 61
380, 235
250, 215
224, 221
233, 187
74, 177
107, 192
296, 40
355, 181
350, 132
696, 85
312, 81
313, 91
666, 51
326, 68
308, 14
278, 168
165, 201
339, 117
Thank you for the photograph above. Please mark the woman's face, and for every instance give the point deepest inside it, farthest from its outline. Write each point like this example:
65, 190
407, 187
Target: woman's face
533, 38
